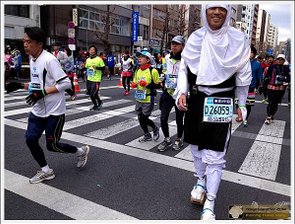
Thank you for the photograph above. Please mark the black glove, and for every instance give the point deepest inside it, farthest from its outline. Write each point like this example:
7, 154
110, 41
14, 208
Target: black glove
35, 96
70, 92
12, 86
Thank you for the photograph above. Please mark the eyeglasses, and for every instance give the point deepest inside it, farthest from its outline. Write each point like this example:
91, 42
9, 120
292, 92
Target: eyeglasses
281, 59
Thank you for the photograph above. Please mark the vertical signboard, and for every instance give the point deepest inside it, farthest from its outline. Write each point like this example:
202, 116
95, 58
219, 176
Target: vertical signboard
135, 26
75, 16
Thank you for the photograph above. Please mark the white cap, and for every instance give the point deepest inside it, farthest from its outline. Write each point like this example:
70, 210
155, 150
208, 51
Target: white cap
146, 54
178, 39
281, 56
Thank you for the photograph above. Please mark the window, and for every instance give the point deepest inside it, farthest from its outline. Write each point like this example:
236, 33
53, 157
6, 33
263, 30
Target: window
96, 21
18, 10
144, 32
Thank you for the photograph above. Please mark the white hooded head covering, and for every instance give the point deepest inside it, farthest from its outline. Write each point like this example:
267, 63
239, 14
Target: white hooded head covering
215, 55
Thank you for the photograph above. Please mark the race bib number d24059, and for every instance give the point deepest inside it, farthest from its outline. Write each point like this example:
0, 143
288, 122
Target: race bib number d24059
218, 109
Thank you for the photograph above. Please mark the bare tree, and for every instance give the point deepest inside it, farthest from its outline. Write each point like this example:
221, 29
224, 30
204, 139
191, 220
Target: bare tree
182, 28
107, 20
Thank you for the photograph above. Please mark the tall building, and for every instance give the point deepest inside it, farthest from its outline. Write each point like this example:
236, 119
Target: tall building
247, 17
16, 18
91, 25
272, 37
260, 32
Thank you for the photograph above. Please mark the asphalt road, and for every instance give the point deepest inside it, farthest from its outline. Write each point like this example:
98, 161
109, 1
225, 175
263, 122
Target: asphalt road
126, 180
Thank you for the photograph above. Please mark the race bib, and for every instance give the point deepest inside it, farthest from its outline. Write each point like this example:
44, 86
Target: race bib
171, 81
218, 109
140, 94
90, 72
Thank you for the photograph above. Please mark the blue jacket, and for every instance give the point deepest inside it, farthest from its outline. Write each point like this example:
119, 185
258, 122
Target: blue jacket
256, 73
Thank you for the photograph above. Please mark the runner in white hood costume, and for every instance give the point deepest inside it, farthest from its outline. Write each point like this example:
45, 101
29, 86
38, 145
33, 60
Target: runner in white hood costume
215, 65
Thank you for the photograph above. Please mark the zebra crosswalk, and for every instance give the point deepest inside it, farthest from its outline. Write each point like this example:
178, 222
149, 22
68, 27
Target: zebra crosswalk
258, 170
265, 150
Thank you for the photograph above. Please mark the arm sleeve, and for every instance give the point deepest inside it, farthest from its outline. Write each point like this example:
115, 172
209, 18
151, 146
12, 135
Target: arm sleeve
242, 93
63, 84
244, 76
182, 81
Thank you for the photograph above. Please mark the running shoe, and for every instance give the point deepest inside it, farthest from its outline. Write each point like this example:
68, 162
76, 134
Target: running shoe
165, 145
177, 144
82, 159
198, 194
41, 175
146, 137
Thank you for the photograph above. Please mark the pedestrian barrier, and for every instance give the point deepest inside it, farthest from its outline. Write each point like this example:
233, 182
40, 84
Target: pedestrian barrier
120, 82
76, 84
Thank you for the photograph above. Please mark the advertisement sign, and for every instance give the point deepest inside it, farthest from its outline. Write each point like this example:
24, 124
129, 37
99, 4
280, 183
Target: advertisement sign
75, 16
135, 26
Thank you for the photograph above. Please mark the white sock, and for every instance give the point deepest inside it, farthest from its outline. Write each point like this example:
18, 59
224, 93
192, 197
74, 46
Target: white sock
80, 151
45, 169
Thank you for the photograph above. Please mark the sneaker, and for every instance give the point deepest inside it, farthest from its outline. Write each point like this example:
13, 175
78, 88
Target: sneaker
100, 106
146, 137
156, 134
73, 97
245, 123
125, 93
164, 145
207, 214
41, 175
94, 108
177, 144
198, 194
267, 121
82, 159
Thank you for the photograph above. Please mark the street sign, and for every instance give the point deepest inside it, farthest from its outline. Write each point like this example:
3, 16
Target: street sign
72, 47
71, 40
71, 33
71, 24
135, 26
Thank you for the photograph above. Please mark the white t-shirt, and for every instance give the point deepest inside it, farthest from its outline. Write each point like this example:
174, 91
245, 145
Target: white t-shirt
126, 64
51, 104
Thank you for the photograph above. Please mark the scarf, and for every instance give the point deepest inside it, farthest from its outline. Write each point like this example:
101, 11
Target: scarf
215, 55
144, 67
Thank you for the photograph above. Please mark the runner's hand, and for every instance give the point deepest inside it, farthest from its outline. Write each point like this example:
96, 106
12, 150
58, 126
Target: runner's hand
35, 96
182, 103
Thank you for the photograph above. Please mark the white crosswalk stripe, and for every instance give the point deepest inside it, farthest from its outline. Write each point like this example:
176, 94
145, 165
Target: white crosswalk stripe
258, 170
263, 158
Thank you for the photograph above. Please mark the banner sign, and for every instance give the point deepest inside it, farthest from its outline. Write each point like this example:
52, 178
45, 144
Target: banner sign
135, 26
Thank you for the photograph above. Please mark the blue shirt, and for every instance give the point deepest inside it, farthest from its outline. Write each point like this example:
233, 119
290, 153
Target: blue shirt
111, 61
256, 73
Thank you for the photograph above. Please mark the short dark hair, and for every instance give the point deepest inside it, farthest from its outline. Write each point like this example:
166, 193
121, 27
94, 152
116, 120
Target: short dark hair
94, 48
37, 34
253, 49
